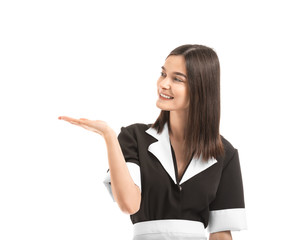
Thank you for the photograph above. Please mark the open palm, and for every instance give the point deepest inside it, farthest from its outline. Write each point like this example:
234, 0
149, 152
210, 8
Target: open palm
97, 126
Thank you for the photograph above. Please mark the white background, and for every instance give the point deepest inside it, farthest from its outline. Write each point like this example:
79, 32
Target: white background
101, 60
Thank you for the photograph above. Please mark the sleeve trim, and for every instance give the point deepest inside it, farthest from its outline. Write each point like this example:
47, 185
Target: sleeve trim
134, 171
227, 220
107, 182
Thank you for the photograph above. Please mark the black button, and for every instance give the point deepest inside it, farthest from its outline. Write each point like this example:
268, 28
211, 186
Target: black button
180, 188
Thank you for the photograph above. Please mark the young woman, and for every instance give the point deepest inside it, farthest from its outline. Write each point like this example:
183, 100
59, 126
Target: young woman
177, 176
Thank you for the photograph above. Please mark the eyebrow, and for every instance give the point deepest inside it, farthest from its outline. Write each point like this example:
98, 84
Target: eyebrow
176, 73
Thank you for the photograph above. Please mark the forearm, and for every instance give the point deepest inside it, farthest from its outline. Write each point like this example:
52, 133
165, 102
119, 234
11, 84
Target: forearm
125, 192
225, 235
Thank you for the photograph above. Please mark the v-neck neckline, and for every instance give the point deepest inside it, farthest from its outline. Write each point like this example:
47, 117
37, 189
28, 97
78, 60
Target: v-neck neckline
178, 178
161, 149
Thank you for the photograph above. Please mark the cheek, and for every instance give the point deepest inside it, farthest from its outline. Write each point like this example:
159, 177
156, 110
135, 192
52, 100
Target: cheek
158, 83
183, 93
185, 96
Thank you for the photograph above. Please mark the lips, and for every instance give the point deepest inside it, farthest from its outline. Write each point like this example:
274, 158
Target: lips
166, 96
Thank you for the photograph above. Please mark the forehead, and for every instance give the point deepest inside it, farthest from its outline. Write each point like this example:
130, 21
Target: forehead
175, 64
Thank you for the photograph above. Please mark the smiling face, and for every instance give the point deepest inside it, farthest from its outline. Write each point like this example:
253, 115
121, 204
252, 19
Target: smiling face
172, 85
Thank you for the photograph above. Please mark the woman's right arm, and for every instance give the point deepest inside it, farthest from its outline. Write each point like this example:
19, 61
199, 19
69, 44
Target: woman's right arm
125, 192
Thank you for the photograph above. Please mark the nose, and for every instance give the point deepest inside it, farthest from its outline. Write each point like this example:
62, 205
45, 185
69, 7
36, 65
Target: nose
165, 83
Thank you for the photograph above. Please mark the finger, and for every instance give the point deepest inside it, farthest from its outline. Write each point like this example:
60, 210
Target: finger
69, 119
82, 122
85, 121
75, 123
80, 125
66, 118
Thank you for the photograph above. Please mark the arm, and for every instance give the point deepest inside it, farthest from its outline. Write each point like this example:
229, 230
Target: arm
125, 192
226, 235
227, 211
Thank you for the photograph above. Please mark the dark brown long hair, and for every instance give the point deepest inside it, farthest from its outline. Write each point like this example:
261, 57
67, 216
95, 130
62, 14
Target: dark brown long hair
201, 136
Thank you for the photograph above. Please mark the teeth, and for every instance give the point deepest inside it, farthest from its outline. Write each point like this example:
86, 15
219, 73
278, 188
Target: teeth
166, 96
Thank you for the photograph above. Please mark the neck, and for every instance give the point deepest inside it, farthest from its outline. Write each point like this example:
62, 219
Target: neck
177, 124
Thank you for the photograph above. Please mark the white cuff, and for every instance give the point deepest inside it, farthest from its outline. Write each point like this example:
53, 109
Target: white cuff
227, 220
134, 171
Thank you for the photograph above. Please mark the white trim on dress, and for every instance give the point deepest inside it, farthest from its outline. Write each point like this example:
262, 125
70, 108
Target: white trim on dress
134, 171
169, 229
227, 220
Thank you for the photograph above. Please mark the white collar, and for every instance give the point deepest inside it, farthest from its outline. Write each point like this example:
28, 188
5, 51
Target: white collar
162, 150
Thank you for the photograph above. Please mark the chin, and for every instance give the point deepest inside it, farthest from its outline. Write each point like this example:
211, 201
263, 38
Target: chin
160, 106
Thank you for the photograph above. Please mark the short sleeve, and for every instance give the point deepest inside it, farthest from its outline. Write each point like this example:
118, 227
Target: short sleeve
128, 144
227, 211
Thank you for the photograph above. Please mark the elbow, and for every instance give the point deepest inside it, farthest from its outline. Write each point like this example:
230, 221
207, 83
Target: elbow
130, 207
129, 203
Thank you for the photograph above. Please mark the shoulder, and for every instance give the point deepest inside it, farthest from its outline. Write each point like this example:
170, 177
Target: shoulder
136, 128
229, 150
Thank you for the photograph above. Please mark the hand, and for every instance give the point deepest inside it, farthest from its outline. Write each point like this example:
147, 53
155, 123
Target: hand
97, 126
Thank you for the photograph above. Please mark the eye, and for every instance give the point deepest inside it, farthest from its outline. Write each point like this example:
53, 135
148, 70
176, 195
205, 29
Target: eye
178, 80
162, 74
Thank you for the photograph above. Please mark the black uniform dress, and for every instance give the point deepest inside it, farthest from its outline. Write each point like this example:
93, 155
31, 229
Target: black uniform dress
209, 196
